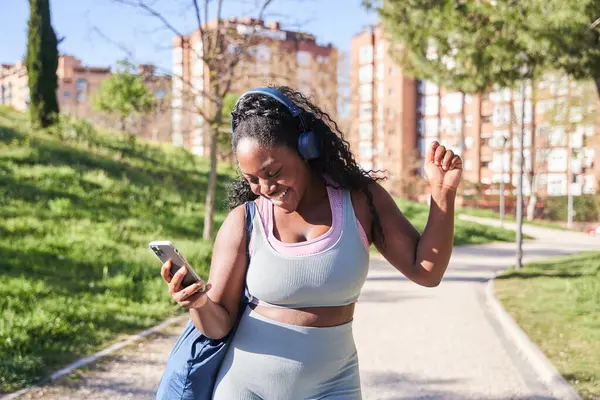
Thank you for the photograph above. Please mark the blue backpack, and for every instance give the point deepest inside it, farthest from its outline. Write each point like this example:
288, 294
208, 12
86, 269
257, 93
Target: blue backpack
194, 362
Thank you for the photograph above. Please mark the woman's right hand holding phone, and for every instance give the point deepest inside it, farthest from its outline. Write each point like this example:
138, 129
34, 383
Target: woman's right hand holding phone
189, 297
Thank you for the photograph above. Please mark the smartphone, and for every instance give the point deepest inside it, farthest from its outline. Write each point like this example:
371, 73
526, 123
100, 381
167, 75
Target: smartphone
165, 251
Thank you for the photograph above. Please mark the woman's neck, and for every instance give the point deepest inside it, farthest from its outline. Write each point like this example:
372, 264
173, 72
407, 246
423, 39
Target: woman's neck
314, 194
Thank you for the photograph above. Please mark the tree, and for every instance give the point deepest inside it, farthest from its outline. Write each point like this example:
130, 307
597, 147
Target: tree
124, 94
467, 44
220, 51
224, 139
41, 61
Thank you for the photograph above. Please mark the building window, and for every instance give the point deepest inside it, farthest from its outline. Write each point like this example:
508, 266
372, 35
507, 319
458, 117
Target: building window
468, 121
160, 93
468, 165
263, 53
557, 136
304, 58
526, 157
468, 142
422, 145
543, 106
365, 54
517, 137
528, 111
82, 84
427, 87
365, 74
365, 131
500, 161
451, 125
557, 184
66, 94
81, 97
452, 102
590, 154
557, 160
365, 92
431, 126
380, 51
588, 184
365, 149
366, 111
501, 115
429, 105
380, 72
576, 138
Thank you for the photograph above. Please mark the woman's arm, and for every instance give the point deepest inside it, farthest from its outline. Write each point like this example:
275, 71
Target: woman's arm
227, 272
423, 258
215, 310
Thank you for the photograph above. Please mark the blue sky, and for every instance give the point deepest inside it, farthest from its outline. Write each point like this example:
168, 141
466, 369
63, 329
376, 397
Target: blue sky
97, 31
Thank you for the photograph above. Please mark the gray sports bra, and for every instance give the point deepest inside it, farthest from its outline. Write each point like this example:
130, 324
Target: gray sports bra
333, 277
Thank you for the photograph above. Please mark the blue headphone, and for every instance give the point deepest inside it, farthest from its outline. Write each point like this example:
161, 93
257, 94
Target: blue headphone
308, 146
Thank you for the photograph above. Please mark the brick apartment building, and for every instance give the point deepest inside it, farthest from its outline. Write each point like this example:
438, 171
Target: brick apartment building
276, 56
397, 117
77, 85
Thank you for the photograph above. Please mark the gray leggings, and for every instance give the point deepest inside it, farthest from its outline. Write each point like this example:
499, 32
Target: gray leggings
270, 360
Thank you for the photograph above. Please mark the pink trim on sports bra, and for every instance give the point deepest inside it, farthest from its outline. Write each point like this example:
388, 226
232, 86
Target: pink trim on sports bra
318, 244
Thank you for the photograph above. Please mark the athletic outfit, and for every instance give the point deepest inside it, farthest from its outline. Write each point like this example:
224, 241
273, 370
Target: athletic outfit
271, 360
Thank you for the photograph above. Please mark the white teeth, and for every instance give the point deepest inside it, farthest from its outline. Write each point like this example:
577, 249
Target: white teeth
282, 195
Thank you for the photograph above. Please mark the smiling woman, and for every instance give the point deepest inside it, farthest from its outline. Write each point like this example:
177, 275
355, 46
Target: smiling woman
318, 214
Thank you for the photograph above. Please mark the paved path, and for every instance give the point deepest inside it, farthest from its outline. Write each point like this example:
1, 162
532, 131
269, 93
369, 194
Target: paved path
413, 342
420, 343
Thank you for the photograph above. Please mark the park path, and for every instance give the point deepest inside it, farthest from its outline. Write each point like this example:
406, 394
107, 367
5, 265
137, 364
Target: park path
413, 342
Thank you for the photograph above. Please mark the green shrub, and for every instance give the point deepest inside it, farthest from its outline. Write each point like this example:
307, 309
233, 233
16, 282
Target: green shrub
585, 207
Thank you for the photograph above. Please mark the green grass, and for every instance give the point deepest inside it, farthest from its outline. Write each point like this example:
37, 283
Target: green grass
76, 215
465, 232
558, 304
77, 211
485, 213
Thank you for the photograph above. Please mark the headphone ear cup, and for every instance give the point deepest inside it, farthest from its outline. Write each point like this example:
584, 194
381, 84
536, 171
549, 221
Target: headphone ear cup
308, 145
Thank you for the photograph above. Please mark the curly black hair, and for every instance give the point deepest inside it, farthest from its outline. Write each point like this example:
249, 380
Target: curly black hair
270, 123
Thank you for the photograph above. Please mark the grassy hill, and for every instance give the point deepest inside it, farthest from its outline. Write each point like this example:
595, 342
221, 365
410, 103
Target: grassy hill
77, 211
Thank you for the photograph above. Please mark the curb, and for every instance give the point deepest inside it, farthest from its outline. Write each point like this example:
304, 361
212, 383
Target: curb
82, 362
538, 361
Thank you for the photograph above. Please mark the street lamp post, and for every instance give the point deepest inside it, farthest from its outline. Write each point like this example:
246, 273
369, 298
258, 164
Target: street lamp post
519, 238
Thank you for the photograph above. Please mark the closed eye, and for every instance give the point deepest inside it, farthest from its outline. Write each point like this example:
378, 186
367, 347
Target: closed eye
275, 174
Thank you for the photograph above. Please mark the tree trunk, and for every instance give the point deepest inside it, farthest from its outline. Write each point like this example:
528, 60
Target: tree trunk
531, 206
209, 206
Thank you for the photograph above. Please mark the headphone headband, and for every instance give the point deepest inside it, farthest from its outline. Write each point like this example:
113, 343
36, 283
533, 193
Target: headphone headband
308, 145
276, 95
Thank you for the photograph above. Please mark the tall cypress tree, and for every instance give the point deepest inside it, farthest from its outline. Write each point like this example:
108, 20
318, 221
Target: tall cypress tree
42, 62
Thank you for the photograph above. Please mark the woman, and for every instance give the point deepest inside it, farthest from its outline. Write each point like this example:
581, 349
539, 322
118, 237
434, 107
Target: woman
318, 213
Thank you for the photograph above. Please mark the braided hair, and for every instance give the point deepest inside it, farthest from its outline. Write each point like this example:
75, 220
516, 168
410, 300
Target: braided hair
271, 124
